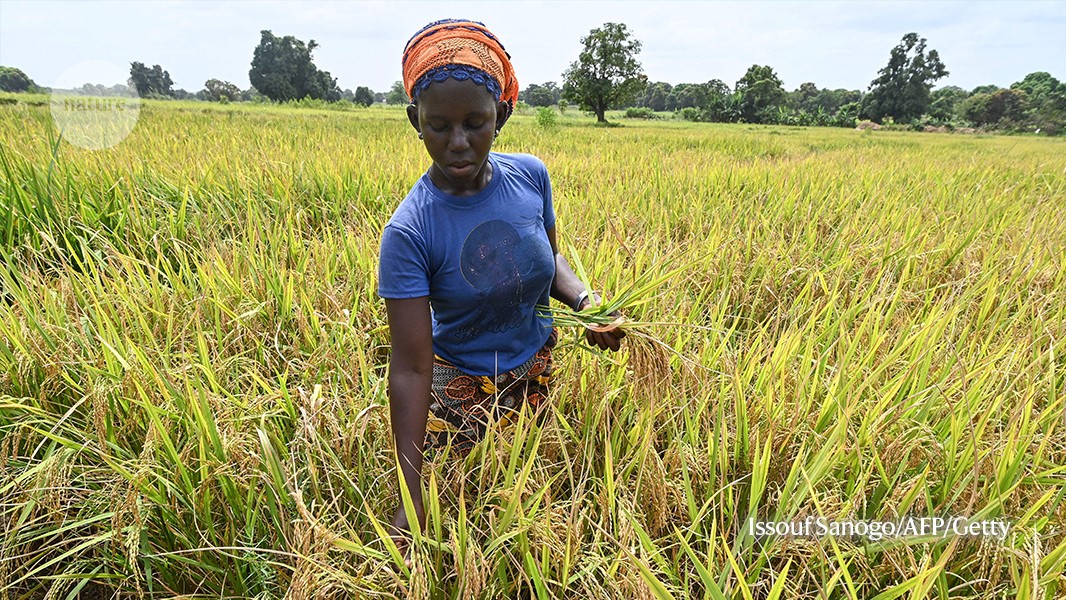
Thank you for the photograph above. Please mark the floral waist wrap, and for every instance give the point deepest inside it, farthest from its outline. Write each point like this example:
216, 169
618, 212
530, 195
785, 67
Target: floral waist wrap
462, 405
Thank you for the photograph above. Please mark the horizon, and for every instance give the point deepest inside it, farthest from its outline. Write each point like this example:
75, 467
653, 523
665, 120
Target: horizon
830, 44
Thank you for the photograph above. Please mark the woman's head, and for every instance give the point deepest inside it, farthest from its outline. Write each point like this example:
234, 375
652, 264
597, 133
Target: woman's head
461, 50
462, 89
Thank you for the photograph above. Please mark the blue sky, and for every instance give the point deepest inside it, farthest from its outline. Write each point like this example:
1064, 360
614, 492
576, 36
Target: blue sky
833, 44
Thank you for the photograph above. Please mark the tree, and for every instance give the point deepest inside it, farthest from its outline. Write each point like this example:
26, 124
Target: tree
683, 95
944, 103
215, 90
1047, 102
805, 98
282, 69
839, 97
252, 95
809, 99
397, 94
902, 88
14, 80
148, 82
140, 78
1001, 107
541, 95
606, 73
322, 86
687, 95
364, 96
1039, 86
712, 101
1009, 106
721, 104
655, 95
761, 94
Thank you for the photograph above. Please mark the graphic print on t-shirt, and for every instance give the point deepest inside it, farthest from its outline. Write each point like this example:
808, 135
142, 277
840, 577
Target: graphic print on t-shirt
495, 261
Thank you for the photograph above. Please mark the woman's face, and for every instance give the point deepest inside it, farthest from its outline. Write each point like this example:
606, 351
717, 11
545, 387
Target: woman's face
458, 120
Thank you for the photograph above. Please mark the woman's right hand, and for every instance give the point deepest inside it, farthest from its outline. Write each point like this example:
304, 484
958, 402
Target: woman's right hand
410, 373
607, 338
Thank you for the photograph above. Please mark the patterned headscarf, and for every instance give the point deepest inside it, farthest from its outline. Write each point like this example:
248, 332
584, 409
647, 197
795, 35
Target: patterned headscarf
458, 49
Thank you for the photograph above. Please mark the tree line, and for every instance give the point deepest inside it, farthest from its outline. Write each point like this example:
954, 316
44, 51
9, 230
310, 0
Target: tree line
282, 70
607, 76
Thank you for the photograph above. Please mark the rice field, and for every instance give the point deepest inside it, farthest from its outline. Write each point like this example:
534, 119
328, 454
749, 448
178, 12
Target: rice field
845, 326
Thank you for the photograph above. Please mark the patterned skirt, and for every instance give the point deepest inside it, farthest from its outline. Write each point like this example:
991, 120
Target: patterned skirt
463, 406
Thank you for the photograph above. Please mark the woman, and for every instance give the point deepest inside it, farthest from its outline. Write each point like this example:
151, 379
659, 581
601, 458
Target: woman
475, 241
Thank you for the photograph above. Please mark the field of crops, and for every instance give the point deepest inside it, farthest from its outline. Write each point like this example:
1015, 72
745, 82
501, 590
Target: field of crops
859, 326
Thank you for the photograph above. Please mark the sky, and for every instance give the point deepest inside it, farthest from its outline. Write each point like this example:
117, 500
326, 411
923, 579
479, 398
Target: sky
833, 44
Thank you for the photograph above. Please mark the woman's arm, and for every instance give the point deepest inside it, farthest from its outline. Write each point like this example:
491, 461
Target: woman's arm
566, 287
410, 374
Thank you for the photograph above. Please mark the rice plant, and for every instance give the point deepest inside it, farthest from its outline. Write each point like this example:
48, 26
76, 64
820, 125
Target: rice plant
837, 325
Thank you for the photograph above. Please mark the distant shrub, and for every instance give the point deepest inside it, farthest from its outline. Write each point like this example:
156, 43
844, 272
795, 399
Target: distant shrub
546, 118
642, 112
691, 113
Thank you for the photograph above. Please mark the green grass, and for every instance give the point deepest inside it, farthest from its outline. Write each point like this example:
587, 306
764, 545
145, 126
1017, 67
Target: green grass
866, 326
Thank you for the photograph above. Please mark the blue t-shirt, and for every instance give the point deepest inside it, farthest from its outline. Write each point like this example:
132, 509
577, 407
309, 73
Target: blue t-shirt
483, 260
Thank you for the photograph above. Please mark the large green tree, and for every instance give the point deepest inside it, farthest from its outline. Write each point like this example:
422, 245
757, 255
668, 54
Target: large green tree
606, 74
1001, 108
685, 95
945, 101
14, 80
902, 88
282, 69
216, 89
1046, 110
655, 95
364, 95
150, 81
805, 98
1039, 86
808, 98
397, 94
761, 94
541, 95
721, 105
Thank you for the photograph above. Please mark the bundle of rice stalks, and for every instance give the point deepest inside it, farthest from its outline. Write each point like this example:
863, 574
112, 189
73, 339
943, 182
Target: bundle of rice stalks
608, 312
648, 356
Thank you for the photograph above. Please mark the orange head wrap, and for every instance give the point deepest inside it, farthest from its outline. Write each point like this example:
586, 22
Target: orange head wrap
458, 49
